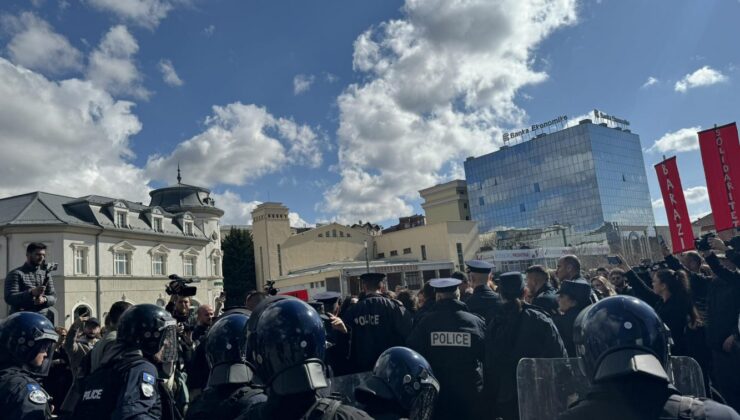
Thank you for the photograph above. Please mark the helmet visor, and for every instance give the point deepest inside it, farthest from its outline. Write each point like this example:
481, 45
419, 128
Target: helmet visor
167, 354
41, 367
422, 408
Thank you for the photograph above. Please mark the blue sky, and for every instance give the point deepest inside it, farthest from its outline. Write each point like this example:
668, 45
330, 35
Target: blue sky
342, 110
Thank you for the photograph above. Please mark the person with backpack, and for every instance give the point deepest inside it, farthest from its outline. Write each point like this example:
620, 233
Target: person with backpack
131, 384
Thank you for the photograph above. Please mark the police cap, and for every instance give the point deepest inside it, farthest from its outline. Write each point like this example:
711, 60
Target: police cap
579, 290
445, 285
478, 266
511, 285
327, 298
372, 277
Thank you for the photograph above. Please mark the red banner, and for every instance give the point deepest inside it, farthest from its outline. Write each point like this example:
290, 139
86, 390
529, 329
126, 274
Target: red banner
720, 153
300, 294
679, 223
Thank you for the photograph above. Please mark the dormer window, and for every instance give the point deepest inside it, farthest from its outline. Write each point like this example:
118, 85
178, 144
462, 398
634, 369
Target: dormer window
189, 228
157, 224
121, 219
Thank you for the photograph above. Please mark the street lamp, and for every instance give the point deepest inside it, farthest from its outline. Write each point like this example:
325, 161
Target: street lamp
367, 261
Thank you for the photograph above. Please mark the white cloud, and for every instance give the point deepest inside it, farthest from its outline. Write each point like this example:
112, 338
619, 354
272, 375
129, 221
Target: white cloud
302, 83
239, 212
692, 195
705, 76
658, 204
36, 46
146, 13
240, 144
169, 75
438, 85
112, 65
209, 30
682, 140
330, 77
67, 137
650, 81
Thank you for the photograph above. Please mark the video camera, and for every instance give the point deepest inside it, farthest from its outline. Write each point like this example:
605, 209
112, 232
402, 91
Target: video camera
270, 288
179, 286
49, 267
702, 243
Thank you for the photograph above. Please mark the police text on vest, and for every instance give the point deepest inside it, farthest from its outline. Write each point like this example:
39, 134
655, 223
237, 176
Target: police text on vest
447, 338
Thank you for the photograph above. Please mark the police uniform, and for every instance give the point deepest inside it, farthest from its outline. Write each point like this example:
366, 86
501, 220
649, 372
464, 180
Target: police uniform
546, 299
375, 323
126, 388
580, 291
21, 397
484, 301
224, 402
452, 340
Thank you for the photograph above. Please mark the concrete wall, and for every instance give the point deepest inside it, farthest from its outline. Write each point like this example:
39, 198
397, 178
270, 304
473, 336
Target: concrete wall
308, 249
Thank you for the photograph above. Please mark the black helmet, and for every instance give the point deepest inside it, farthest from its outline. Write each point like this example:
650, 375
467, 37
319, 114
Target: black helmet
285, 343
620, 336
223, 351
23, 335
405, 377
152, 330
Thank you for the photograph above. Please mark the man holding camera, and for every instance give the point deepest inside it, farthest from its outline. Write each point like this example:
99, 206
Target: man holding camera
30, 287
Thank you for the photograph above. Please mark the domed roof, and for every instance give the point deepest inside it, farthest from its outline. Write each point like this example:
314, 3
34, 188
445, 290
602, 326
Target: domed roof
181, 197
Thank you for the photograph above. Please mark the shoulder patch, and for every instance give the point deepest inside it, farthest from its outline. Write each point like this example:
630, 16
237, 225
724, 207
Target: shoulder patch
36, 395
147, 389
148, 378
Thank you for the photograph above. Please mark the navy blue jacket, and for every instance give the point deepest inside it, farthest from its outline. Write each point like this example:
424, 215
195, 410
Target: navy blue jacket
484, 302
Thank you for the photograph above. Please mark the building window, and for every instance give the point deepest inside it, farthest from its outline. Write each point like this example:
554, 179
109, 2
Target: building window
348, 235
121, 219
522, 208
394, 253
460, 258
480, 201
80, 261
189, 266
406, 251
122, 263
321, 235
465, 205
423, 252
381, 255
280, 261
216, 266
333, 233
341, 234
189, 228
536, 187
157, 224
321, 283
159, 265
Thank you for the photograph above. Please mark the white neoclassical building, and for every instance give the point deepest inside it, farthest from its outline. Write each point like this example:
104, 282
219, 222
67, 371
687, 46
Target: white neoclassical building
111, 249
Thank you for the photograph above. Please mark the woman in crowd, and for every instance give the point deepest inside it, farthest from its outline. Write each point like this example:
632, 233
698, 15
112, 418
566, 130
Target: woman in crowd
603, 287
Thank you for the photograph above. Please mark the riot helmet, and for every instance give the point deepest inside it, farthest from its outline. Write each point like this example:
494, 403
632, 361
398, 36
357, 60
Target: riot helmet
620, 336
223, 351
25, 335
405, 377
285, 344
152, 330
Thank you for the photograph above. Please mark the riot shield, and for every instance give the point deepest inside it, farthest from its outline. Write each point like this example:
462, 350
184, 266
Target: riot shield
547, 386
345, 385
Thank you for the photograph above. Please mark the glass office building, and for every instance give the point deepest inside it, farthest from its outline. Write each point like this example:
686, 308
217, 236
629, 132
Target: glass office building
580, 186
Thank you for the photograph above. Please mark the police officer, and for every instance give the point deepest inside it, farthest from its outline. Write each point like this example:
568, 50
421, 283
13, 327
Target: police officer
625, 352
519, 330
402, 387
542, 293
573, 297
229, 392
27, 342
375, 323
285, 343
336, 333
452, 340
131, 384
484, 301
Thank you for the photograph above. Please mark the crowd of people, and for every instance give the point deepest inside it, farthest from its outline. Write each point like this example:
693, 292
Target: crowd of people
447, 351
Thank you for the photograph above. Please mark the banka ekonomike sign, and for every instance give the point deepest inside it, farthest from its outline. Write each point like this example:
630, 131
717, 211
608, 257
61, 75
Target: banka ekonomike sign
604, 116
534, 128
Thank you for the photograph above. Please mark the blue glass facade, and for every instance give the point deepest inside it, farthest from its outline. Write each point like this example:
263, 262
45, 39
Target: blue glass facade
578, 185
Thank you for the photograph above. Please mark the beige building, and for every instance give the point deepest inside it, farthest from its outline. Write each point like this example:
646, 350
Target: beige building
112, 249
446, 202
333, 256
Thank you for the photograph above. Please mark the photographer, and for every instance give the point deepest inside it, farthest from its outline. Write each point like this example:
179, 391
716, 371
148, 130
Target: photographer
30, 287
179, 307
723, 301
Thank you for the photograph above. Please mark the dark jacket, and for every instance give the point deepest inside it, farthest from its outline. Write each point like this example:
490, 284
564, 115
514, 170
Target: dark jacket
546, 299
423, 311
226, 401
21, 397
510, 337
698, 282
376, 324
484, 302
452, 341
564, 323
723, 304
18, 285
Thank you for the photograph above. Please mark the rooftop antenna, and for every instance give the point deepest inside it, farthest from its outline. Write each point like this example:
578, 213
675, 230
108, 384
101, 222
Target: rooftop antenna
179, 178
